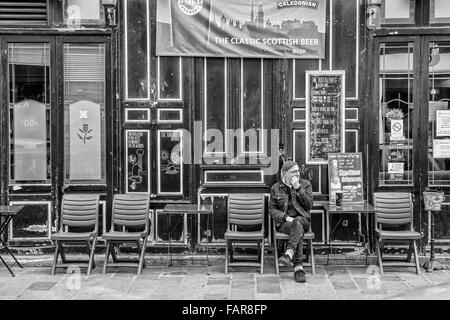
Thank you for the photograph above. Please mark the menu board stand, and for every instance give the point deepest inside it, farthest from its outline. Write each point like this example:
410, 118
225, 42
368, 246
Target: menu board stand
345, 174
325, 114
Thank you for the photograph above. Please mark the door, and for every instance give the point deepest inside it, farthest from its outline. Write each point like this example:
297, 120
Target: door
411, 91
56, 114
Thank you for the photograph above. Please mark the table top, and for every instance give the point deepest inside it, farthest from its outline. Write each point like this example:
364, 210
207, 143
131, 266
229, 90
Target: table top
10, 210
349, 208
188, 209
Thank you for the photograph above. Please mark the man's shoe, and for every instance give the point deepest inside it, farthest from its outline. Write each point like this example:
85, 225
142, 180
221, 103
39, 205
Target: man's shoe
285, 260
300, 276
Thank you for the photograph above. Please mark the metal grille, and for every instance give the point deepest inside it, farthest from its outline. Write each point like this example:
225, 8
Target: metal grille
31, 12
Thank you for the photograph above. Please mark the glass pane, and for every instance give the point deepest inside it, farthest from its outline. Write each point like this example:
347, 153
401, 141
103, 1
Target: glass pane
32, 221
136, 54
170, 155
395, 113
84, 113
439, 114
215, 110
397, 11
440, 11
169, 78
78, 12
29, 106
252, 105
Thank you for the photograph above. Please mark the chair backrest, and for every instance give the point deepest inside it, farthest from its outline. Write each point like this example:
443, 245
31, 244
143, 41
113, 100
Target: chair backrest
130, 210
80, 210
246, 209
393, 208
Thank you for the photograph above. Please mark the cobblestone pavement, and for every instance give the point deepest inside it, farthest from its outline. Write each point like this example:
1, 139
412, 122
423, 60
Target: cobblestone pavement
195, 282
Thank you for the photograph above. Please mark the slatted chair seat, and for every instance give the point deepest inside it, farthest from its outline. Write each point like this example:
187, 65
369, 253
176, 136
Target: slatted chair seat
395, 209
77, 211
250, 235
73, 236
245, 210
124, 235
398, 235
128, 211
280, 236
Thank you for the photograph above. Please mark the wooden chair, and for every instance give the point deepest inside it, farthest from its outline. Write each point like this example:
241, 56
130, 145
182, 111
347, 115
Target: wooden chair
129, 211
395, 209
279, 237
77, 211
244, 211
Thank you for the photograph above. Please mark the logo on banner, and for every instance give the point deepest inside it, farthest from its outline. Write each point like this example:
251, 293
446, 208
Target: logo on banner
190, 7
312, 4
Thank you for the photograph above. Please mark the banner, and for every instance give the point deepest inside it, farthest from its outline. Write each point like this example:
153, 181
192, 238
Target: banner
241, 28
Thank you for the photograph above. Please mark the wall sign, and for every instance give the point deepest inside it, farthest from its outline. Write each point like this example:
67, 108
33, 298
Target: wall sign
441, 148
325, 115
137, 152
345, 174
442, 123
236, 28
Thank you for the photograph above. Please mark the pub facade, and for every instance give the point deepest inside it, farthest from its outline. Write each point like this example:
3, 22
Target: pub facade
90, 103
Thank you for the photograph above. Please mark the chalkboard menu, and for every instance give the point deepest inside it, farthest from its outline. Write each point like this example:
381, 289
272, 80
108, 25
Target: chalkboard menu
325, 117
137, 161
345, 174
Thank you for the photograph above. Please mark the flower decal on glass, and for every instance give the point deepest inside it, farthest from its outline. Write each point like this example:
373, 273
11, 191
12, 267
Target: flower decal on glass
84, 133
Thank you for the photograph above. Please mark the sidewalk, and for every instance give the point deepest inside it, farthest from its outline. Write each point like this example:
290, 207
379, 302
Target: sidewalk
195, 282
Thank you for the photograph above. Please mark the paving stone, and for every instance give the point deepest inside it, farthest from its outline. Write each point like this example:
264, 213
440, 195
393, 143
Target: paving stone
213, 296
395, 285
218, 281
239, 294
344, 285
42, 286
368, 287
242, 284
267, 296
243, 276
268, 289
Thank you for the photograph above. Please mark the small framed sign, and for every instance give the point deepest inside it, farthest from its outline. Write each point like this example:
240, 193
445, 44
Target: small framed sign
345, 174
137, 161
325, 115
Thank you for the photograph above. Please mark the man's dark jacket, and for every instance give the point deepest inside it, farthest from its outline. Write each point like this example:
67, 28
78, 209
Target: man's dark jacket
302, 200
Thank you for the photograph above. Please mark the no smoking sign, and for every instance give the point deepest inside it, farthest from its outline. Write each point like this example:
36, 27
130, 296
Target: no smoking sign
397, 129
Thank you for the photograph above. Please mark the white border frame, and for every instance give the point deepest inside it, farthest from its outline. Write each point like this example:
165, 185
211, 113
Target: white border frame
205, 106
262, 151
127, 98
180, 91
158, 162
179, 110
49, 220
294, 153
261, 172
308, 74
357, 115
146, 110
126, 160
294, 119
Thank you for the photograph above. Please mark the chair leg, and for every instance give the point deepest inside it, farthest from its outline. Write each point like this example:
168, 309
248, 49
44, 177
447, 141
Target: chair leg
113, 251
258, 249
381, 247
226, 257
410, 250
311, 256
416, 257
142, 258
55, 260
262, 256
62, 252
91, 256
106, 256
231, 251
276, 245
380, 262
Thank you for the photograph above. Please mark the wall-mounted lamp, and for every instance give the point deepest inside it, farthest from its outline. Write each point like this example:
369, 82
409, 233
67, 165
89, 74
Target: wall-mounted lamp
373, 14
110, 12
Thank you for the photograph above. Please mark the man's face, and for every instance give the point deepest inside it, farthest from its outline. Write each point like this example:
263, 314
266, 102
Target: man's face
292, 172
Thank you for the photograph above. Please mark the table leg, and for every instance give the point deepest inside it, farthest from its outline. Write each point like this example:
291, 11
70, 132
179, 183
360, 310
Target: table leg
207, 239
432, 257
170, 239
7, 267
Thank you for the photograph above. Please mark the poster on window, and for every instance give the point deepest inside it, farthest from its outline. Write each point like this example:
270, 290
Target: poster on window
241, 28
170, 171
30, 141
325, 115
137, 161
442, 123
85, 141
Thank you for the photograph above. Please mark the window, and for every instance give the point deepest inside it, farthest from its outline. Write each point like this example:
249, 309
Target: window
395, 113
397, 11
84, 113
29, 110
31, 12
79, 12
440, 11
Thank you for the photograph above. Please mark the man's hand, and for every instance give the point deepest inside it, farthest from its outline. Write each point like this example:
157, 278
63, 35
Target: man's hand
289, 219
295, 182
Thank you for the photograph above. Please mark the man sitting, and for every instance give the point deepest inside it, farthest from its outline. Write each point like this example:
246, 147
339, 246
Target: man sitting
290, 203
